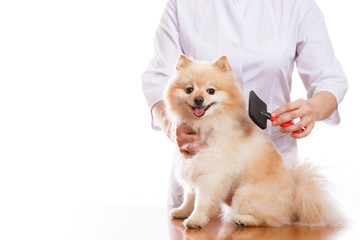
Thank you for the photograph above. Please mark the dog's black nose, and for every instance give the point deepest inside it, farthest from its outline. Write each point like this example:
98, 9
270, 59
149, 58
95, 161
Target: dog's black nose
198, 100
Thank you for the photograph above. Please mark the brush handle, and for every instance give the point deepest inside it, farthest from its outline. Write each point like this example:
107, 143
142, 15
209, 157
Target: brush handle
287, 124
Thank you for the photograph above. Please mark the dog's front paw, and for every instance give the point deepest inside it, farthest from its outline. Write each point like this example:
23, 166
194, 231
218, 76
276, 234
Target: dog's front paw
247, 221
179, 213
196, 222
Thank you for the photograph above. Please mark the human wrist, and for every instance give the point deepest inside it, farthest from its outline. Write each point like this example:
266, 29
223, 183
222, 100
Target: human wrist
323, 104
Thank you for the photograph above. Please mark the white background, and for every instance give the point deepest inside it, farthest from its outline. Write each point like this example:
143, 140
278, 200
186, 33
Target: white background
74, 125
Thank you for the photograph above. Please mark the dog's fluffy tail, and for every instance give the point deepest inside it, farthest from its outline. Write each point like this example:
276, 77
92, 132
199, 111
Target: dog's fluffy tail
314, 205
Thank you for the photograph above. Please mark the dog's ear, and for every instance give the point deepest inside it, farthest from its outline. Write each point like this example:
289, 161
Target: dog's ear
183, 62
223, 64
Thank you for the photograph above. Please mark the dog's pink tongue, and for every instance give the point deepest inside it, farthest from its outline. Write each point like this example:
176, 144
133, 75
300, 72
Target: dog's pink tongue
199, 111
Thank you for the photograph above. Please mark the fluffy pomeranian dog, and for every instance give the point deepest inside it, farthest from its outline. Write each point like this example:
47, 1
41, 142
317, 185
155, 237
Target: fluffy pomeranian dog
239, 163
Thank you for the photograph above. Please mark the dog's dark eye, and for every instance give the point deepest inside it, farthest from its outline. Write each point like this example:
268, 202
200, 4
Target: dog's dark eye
189, 90
211, 91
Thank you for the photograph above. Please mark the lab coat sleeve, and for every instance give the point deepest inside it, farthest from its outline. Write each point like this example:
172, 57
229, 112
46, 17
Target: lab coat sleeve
315, 59
167, 51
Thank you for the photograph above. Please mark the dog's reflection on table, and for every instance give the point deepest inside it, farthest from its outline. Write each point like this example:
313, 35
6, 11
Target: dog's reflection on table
218, 229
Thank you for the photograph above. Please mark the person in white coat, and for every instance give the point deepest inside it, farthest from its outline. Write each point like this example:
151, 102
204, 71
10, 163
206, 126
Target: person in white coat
263, 40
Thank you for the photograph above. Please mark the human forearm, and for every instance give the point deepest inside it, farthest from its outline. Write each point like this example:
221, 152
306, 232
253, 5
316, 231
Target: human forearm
323, 105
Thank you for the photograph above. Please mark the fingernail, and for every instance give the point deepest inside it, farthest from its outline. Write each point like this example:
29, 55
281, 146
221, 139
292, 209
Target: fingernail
275, 123
273, 114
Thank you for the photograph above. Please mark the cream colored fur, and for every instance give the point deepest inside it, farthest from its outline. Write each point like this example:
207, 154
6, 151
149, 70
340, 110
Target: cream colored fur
240, 162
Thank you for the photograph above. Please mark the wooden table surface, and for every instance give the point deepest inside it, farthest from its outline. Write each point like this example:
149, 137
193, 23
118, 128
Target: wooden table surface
152, 222
217, 229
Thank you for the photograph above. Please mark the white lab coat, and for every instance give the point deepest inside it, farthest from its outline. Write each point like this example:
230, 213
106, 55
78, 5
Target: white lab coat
262, 39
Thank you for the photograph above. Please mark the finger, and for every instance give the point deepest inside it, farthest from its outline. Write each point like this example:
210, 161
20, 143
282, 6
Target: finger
187, 138
288, 117
288, 107
191, 151
292, 128
305, 133
187, 154
305, 121
185, 134
185, 129
195, 148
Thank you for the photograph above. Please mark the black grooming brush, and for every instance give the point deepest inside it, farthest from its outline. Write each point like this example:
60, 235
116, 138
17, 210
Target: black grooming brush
259, 114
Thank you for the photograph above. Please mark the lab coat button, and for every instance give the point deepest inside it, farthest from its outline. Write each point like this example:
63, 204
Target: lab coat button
237, 44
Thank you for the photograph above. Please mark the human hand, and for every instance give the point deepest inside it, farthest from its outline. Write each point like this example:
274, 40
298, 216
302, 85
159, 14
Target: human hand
186, 137
300, 108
